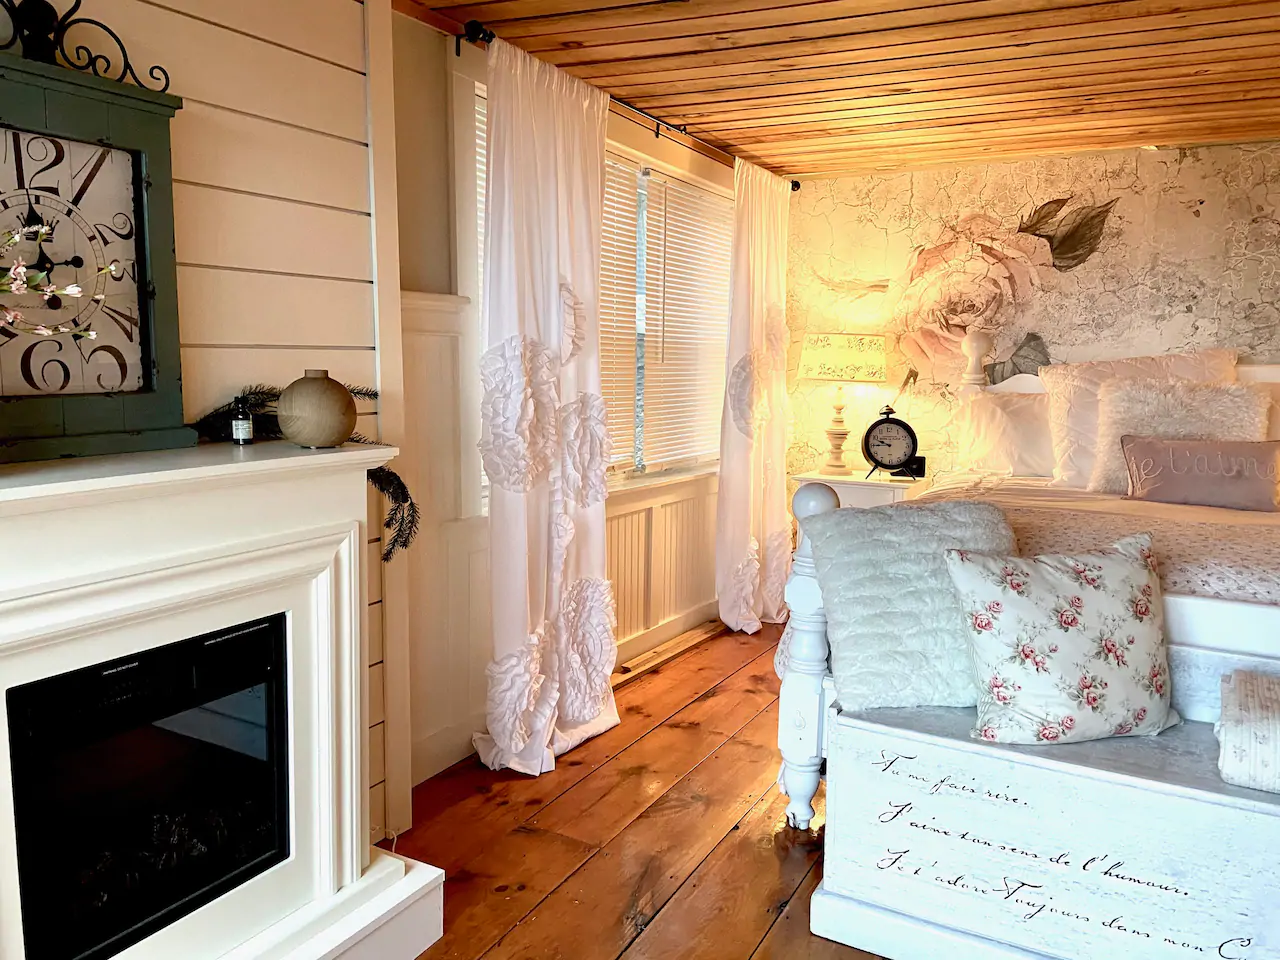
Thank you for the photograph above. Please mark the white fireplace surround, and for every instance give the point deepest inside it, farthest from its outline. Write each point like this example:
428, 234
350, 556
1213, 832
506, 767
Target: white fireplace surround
108, 556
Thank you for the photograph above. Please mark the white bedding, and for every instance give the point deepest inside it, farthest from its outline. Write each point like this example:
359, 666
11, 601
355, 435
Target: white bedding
1203, 551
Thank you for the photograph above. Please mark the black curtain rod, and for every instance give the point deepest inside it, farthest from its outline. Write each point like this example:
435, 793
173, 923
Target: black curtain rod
473, 31
658, 122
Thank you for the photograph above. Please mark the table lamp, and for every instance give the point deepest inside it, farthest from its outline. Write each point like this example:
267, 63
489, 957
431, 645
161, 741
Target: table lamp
841, 358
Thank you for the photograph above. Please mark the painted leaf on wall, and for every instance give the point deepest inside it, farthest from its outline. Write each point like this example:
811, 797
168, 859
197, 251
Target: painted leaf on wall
1074, 237
1028, 357
1078, 234
1042, 216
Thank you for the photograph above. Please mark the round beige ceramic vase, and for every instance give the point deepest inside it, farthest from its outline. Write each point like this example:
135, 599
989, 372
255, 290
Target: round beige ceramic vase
317, 411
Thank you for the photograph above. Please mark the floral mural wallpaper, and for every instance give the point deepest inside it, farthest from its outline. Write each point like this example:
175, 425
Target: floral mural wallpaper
1091, 256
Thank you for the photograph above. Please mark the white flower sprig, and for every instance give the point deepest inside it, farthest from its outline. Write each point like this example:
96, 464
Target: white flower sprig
21, 279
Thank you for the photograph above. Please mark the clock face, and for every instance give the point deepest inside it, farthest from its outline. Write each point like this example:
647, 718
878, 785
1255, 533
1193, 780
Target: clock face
889, 443
73, 206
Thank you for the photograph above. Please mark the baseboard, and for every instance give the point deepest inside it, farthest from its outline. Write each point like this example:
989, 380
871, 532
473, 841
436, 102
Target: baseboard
896, 936
442, 749
642, 643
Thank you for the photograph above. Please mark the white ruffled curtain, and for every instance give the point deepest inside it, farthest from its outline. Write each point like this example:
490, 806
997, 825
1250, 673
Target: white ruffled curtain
753, 529
544, 442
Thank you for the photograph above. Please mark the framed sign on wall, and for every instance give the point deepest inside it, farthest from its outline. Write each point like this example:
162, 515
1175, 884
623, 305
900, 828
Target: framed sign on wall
89, 352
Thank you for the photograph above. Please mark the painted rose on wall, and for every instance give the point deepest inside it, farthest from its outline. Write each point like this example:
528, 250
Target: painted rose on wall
978, 275
974, 276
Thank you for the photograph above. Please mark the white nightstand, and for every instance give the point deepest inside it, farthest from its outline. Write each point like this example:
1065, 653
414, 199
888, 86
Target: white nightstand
854, 491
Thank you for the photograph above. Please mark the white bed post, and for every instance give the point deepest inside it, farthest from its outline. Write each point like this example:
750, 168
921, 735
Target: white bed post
800, 709
976, 347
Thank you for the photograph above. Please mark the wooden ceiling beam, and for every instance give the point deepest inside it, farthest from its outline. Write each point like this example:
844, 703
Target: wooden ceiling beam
840, 39
917, 107
1208, 55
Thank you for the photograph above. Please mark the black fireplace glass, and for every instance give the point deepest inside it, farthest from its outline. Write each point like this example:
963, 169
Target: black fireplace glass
148, 786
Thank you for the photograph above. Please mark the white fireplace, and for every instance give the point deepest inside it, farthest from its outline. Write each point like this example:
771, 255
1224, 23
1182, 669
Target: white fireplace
221, 589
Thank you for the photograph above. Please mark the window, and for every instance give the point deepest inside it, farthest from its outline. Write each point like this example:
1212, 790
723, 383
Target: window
664, 317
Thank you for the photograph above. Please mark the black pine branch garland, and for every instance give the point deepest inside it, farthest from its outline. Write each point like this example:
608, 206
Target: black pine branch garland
403, 517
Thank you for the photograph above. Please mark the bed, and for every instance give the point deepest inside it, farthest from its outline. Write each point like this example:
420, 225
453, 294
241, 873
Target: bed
1048, 853
1204, 551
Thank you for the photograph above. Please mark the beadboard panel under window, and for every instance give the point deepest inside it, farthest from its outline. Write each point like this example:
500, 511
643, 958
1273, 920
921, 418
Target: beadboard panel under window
272, 214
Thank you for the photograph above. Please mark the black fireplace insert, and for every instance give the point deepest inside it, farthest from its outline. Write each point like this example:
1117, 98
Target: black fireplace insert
148, 786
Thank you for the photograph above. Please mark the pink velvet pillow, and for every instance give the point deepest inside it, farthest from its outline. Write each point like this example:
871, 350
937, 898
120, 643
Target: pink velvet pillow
1209, 473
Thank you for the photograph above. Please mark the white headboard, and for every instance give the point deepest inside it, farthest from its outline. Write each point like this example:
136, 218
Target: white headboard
978, 345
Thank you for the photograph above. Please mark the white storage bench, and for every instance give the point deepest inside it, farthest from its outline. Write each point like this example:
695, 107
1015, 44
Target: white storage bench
1127, 847
940, 847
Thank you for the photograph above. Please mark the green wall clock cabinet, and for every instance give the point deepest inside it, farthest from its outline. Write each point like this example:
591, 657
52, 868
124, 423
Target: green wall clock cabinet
89, 350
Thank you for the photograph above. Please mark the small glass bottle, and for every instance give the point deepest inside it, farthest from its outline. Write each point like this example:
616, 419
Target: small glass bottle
241, 422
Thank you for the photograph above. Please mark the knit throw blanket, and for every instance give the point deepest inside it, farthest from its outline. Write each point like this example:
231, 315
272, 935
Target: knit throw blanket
1249, 731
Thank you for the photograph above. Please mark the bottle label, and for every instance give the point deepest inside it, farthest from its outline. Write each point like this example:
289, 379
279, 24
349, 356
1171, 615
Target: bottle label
241, 429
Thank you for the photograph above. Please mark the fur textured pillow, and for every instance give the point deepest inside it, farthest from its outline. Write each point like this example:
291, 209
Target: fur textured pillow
1171, 410
1073, 400
897, 633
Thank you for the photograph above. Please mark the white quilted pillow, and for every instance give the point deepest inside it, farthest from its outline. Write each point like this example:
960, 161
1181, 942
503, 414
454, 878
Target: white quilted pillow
1172, 410
897, 634
1073, 400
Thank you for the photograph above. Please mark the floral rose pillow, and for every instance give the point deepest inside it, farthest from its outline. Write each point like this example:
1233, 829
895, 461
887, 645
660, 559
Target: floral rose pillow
1066, 648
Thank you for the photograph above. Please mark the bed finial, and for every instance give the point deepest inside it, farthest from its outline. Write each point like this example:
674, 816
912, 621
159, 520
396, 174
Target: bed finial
976, 346
814, 498
800, 714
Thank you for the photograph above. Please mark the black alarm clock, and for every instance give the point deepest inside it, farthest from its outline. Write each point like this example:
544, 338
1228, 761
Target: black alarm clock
890, 444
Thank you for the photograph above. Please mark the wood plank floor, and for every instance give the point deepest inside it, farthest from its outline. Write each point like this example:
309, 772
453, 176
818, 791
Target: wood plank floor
662, 838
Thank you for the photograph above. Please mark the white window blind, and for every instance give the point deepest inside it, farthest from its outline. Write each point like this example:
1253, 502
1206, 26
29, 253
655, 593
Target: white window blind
664, 317
619, 306
688, 254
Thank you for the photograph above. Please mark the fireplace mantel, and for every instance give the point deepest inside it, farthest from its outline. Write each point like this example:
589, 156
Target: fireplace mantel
107, 557
56, 484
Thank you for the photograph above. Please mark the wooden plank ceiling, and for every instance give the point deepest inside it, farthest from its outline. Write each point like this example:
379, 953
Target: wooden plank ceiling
857, 86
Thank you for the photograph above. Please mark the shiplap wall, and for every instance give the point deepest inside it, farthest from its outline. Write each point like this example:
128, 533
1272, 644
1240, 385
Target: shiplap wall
272, 212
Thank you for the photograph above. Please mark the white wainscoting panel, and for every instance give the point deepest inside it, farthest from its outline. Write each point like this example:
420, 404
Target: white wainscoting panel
628, 552
661, 558
448, 565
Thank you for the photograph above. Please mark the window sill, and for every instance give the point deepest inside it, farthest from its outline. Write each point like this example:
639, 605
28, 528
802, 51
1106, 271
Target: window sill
621, 485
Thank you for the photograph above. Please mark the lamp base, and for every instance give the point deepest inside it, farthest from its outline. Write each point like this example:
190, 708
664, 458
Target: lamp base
837, 434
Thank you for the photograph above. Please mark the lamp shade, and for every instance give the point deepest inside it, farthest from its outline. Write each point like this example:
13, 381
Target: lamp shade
843, 357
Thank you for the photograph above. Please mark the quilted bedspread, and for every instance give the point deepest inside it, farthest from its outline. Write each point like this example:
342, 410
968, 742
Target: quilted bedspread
1203, 551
